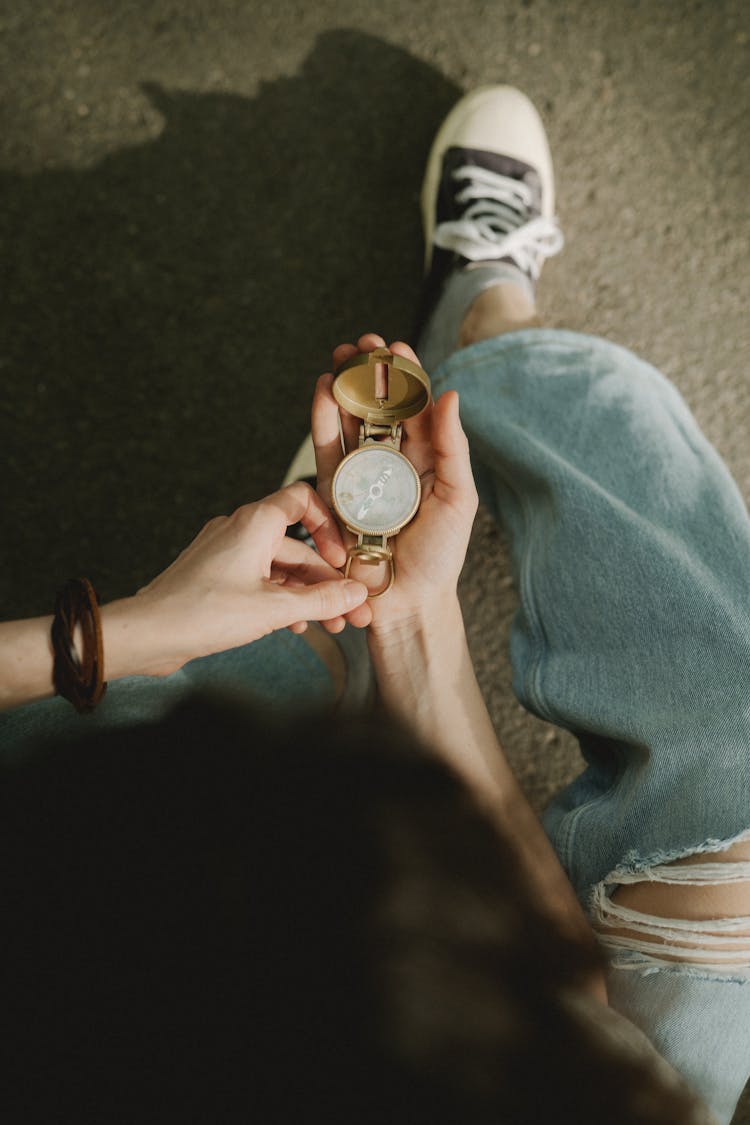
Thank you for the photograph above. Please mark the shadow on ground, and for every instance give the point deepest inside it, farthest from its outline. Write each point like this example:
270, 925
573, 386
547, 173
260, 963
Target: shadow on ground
168, 310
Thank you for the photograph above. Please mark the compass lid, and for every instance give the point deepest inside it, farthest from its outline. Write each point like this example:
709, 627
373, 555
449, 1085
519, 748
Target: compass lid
381, 387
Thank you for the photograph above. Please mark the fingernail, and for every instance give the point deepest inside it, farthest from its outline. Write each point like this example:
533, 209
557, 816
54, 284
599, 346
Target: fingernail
354, 592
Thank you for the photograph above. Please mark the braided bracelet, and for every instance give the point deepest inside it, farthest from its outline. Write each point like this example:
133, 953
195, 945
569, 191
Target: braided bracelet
78, 677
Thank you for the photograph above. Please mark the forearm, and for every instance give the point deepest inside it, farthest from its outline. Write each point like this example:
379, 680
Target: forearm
427, 680
26, 656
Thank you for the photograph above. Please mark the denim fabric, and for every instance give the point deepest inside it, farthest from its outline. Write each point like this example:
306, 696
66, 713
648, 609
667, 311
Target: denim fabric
631, 552
440, 336
280, 672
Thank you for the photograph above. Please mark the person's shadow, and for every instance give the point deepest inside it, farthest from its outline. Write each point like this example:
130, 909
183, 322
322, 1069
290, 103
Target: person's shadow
167, 311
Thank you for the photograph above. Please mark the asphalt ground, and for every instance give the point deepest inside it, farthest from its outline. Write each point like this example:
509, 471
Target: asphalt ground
198, 201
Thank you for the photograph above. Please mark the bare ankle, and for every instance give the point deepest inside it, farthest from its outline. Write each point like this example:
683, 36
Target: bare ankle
501, 308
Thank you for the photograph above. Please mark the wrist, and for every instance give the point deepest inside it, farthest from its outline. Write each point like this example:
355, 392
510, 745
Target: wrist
436, 619
133, 641
417, 659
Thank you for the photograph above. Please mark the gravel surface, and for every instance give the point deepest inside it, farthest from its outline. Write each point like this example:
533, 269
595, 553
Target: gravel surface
199, 200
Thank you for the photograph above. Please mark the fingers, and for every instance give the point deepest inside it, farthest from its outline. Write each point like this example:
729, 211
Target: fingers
326, 436
416, 443
342, 353
296, 563
366, 343
417, 440
454, 480
398, 347
418, 431
323, 601
374, 577
298, 503
326, 414
359, 618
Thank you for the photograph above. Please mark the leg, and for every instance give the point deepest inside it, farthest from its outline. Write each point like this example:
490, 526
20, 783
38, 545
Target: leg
631, 551
631, 548
501, 308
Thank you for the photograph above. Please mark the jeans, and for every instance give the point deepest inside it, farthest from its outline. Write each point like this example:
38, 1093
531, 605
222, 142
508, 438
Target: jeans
279, 672
631, 552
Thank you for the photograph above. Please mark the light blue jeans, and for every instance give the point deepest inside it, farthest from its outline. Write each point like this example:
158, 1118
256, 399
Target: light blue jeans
631, 552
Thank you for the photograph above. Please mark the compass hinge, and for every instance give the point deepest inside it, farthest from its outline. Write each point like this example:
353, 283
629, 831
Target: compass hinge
380, 431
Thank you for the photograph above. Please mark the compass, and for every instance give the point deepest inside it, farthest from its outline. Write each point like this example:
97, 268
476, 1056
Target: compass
376, 490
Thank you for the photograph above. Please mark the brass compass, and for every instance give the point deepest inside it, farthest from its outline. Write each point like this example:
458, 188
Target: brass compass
376, 490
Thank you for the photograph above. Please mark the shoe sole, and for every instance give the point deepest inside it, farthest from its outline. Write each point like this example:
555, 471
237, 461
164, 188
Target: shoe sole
495, 119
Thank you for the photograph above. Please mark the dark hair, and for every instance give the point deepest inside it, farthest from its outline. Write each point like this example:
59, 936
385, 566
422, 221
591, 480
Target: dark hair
217, 918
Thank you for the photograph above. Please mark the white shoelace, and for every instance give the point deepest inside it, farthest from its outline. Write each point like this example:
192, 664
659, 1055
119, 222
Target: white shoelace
495, 225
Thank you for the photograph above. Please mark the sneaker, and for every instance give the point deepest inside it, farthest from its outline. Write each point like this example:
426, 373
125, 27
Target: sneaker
488, 195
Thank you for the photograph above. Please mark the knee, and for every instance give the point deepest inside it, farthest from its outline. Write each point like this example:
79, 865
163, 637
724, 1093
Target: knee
694, 910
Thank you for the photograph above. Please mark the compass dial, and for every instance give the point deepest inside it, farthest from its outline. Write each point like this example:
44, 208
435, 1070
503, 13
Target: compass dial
376, 490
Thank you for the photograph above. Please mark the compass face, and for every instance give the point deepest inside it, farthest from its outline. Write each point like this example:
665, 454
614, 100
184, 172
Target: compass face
376, 490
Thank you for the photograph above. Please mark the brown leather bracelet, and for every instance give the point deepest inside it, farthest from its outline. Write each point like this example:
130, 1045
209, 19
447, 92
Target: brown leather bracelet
78, 677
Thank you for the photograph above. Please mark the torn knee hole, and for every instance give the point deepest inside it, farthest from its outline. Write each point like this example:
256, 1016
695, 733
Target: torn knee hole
695, 909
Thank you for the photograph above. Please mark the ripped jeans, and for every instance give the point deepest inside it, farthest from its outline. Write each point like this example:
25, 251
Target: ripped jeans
631, 552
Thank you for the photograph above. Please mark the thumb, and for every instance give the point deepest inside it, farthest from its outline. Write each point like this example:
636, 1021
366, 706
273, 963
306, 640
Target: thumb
319, 602
451, 448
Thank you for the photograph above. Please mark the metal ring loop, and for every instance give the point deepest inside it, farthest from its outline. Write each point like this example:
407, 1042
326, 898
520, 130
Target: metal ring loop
371, 556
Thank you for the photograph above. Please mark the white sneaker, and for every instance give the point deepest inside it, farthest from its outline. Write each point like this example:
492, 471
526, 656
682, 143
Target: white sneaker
488, 192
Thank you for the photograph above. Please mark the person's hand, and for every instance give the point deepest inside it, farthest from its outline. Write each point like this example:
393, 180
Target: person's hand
242, 578
429, 552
